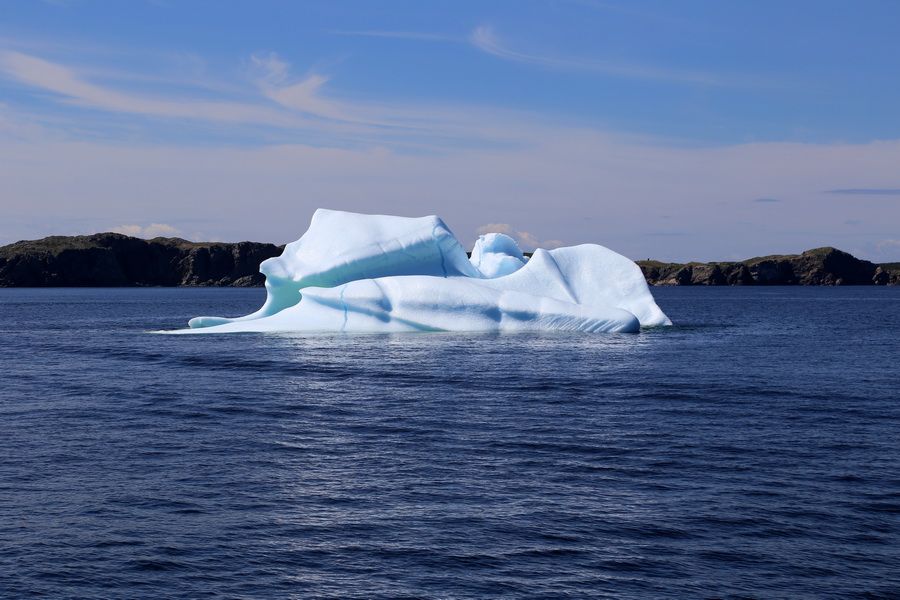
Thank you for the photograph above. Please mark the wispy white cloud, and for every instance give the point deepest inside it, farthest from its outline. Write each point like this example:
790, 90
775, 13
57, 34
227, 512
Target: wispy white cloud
271, 68
304, 95
58, 79
147, 231
484, 38
400, 35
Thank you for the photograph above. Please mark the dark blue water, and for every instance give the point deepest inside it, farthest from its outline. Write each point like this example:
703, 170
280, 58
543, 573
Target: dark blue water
751, 451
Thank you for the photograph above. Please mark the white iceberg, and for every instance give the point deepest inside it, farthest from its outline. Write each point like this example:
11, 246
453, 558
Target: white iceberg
374, 273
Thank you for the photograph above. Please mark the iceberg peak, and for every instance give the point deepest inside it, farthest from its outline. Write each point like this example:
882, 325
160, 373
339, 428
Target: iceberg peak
496, 255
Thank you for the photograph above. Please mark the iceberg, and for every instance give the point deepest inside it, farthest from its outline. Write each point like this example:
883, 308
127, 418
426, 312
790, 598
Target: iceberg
360, 273
496, 254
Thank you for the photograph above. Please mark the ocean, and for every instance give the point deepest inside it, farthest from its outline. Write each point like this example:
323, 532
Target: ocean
752, 450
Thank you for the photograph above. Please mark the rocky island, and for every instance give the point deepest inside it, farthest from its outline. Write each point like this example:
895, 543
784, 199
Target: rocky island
112, 259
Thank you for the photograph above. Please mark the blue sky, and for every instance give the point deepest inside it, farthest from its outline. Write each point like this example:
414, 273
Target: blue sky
688, 130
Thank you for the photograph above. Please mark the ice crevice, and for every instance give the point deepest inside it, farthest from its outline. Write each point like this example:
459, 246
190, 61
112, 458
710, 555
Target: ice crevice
440, 250
356, 273
344, 306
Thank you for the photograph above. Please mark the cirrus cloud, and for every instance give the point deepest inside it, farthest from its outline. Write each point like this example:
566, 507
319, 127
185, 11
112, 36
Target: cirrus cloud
147, 231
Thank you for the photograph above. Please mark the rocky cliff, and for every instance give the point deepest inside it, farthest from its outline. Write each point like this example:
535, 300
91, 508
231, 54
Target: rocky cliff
111, 259
821, 266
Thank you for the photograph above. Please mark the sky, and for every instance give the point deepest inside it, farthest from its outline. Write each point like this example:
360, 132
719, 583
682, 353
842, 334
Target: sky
690, 130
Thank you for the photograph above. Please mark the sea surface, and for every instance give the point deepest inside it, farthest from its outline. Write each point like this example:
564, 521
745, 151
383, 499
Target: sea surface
750, 451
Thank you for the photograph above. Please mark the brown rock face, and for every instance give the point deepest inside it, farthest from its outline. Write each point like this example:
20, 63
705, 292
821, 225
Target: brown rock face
111, 259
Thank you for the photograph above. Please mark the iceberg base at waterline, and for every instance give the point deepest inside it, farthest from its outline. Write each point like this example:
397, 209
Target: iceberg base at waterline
358, 273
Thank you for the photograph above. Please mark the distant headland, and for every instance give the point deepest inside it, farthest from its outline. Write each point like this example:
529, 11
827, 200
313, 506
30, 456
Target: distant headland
115, 260
820, 266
